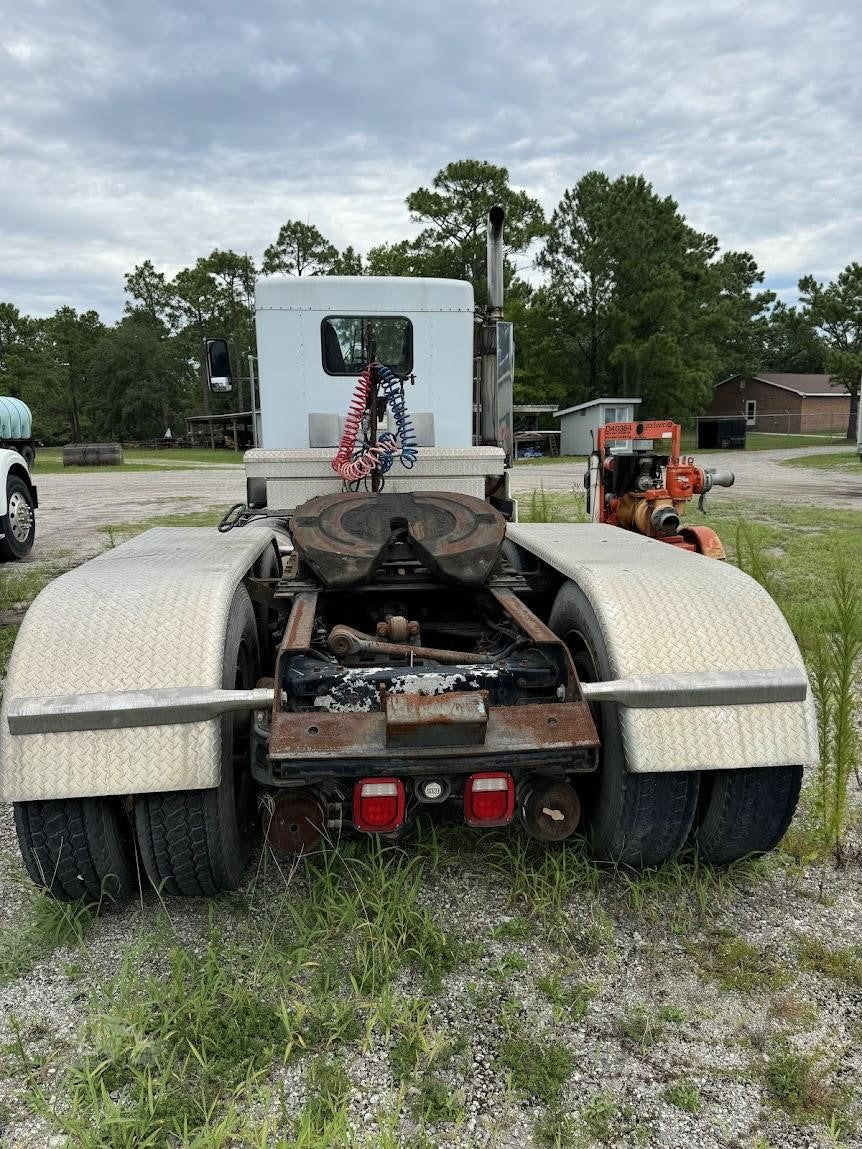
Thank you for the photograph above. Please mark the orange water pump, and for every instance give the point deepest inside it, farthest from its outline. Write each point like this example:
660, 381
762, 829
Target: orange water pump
633, 484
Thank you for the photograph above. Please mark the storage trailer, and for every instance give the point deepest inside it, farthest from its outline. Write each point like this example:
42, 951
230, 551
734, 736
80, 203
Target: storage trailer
372, 634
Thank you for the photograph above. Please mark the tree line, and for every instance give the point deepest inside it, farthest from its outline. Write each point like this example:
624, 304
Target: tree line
634, 301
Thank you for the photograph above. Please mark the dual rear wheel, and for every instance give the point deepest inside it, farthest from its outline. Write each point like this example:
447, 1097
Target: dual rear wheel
644, 819
191, 842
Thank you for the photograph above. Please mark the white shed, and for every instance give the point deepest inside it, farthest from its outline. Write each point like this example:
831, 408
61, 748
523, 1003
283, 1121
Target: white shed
579, 424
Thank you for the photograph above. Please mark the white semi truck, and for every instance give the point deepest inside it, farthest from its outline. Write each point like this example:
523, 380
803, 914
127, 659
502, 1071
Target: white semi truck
373, 634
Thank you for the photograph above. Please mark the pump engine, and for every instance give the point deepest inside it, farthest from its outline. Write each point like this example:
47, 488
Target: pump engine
632, 484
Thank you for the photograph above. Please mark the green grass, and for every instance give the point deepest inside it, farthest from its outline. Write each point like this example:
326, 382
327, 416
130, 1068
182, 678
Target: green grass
839, 461
557, 1129
842, 964
543, 880
738, 965
799, 1084
366, 897
599, 1115
8, 634
571, 1000
182, 1044
116, 533
685, 1095
19, 585
49, 461
606, 1121
832, 642
755, 441
542, 506
44, 925
538, 1066
764, 441
644, 1027
683, 891
516, 928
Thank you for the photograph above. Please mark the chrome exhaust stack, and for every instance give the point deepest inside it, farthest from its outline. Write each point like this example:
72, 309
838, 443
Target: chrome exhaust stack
488, 414
496, 218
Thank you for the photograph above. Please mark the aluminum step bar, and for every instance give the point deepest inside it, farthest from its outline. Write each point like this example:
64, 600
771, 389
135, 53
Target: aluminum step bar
131, 708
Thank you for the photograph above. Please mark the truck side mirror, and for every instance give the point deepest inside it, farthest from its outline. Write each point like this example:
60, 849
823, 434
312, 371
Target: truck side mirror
219, 376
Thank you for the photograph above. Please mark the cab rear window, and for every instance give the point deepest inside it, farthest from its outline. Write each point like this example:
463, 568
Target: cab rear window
350, 342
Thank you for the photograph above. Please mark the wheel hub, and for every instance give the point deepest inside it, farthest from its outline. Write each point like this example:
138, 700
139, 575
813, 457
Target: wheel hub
20, 517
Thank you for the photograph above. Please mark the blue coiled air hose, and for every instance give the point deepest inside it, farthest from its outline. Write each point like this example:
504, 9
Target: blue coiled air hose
405, 432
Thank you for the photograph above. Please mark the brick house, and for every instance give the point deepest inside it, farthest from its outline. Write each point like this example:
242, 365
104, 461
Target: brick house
784, 402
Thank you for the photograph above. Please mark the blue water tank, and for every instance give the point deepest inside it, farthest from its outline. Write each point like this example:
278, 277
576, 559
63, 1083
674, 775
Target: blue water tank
16, 422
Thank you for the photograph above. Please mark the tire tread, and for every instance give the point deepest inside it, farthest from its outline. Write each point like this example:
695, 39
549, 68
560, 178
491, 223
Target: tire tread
72, 848
188, 843
746, 812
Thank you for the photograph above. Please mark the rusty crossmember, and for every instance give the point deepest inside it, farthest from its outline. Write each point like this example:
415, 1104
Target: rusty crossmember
300, 624
313, 736
460, 725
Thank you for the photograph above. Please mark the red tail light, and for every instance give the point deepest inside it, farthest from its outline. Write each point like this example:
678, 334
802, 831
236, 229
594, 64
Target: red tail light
378, 805
489, 799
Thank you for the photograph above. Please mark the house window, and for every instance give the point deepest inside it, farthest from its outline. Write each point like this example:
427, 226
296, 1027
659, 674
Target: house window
617, 415
750, 412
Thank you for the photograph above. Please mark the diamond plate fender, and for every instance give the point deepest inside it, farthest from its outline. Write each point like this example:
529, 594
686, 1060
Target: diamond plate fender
663, 609
150, 613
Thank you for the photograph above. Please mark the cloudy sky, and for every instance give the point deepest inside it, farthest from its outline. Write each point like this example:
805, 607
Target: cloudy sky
162, 129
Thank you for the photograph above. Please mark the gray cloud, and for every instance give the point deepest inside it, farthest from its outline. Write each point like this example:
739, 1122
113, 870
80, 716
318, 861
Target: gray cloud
161, 130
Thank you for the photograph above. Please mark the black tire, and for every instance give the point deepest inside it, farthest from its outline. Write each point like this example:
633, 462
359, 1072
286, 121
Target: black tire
19, 522
631, 819
78, 848
267, 566
744, 813
196, 843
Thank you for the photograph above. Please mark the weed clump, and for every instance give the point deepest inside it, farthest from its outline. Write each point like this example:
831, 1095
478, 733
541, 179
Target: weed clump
833, 649
367, 904
570, 1000
642, 1027
842, 964
684, 1095
737, 965
798, 1084
323, 1118
48, 925
538, 1067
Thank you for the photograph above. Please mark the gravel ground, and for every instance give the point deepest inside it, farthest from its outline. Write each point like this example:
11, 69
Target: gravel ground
759, 476
645, 959
74, 508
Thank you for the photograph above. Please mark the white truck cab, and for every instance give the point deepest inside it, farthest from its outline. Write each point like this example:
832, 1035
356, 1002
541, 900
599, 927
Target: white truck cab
314, 337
